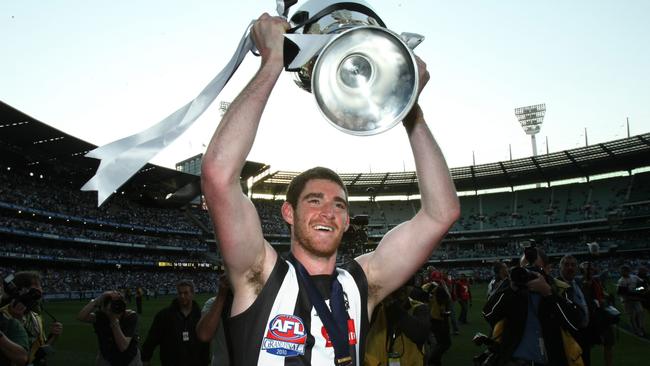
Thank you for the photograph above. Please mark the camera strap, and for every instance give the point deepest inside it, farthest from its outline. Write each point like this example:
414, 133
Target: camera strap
336, 320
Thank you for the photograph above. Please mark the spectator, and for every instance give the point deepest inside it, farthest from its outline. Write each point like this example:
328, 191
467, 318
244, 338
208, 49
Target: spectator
464, 297
499, 280
601, 327
138, 300
627, 289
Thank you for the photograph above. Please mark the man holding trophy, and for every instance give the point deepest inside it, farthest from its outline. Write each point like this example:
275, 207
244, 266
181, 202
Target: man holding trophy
304, 310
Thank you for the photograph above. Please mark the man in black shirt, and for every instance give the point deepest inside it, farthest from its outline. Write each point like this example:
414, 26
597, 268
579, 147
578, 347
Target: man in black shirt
116, 329
173, 328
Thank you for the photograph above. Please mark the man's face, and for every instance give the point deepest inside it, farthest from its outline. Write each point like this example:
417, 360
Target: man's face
320, 218
185, 296
503, 271
625, 273
568, 269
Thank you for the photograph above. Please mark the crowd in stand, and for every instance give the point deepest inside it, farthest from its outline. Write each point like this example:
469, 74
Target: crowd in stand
182, 241
52, 195
160, 282
92, 252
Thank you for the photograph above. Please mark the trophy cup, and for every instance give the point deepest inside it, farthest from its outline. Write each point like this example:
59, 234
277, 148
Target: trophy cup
364, 76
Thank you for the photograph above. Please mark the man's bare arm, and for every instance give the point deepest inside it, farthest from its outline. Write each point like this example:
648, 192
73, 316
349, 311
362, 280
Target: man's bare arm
406, 248
246, 254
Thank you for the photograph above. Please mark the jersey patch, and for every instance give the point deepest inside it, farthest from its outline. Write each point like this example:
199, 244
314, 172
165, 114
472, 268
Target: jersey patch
285, 336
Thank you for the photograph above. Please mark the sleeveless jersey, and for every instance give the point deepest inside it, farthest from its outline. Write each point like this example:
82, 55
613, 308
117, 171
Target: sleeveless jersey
282, 327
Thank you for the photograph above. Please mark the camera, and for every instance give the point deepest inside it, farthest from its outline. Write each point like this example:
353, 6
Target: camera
488, 356
29, 297
520, 276
118, 306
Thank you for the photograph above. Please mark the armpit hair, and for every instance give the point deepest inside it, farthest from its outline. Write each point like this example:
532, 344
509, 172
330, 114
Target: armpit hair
254, 278
373, 292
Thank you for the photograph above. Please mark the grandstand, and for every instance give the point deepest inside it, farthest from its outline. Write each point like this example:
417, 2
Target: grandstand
152, 230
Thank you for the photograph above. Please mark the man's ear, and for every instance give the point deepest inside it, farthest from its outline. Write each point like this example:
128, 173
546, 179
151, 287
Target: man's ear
347, 222
287, 212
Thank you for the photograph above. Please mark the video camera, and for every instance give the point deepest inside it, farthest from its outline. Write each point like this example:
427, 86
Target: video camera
29, 297
488, 357
118, 306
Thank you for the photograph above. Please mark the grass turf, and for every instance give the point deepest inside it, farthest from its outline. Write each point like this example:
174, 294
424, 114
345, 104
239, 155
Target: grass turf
78, 344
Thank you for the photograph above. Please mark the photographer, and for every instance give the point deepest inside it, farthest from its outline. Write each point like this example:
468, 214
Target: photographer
568, 271
439, 314
13, 342
116, 329
531, 316
20, 301
399, 330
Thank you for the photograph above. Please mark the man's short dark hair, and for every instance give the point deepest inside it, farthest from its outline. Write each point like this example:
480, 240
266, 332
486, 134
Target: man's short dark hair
496, 267
566, 258
625, 268
185, 283
298, 183
25, 279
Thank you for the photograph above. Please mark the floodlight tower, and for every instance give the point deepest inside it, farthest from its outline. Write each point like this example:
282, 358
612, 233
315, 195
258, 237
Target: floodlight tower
531, 118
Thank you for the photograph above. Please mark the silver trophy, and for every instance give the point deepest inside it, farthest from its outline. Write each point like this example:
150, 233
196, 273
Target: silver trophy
363, 76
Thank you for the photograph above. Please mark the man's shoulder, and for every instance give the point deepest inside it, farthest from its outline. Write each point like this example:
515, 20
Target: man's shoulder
208, 304
5, 311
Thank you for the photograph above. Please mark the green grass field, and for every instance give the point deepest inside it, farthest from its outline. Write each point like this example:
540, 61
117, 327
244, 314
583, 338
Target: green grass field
78, 345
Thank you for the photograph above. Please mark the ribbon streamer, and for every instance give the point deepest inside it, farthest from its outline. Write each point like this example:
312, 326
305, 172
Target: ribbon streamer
121, 159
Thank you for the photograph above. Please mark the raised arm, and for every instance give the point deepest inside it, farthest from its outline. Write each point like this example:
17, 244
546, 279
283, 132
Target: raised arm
246, 253
407, 247
207, 326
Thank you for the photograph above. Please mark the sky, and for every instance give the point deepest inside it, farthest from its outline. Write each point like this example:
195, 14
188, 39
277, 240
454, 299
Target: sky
104, 70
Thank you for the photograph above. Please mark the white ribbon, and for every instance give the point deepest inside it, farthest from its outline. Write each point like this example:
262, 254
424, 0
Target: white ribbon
121, 159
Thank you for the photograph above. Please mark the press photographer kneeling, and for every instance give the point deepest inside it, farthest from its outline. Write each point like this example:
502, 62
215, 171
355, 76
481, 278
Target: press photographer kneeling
116, 329
533, 318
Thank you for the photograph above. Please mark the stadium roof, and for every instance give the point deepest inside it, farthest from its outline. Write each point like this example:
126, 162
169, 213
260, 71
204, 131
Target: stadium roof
613, 156
30, 144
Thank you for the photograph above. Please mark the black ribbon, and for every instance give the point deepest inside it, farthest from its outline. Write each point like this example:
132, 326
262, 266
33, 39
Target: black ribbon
304, 20
336, 320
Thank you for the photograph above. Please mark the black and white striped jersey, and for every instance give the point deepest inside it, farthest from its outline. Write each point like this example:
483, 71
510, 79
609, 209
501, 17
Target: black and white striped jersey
282, 327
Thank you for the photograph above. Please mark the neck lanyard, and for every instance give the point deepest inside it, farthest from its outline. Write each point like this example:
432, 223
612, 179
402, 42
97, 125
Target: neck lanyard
335, 321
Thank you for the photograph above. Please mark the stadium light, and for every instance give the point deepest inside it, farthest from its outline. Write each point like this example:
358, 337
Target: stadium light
530, 118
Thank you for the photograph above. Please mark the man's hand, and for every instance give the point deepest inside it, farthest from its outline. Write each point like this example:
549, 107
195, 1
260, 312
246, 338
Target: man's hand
268, 35
18, 308
56, 328
539, 285
423, 74
416, 111
224, 284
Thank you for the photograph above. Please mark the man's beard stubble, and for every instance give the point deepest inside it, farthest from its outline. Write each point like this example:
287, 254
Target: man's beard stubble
310, 246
